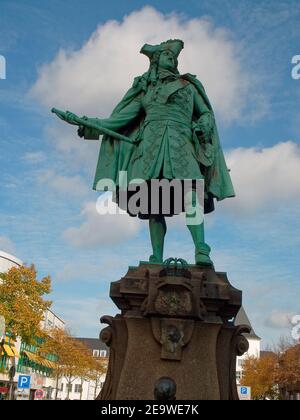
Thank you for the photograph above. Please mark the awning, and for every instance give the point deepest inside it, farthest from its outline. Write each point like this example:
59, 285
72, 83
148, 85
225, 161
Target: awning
9, 347
40, 360
15, 351
8, 350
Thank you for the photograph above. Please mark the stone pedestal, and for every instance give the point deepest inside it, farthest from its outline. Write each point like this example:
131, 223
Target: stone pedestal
176, 321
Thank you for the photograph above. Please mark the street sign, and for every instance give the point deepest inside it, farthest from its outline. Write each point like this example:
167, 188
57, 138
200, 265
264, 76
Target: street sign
39, 394
22, 394
244, 392
24, 382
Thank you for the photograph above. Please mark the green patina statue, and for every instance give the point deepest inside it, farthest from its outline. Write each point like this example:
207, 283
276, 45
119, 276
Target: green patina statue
164, 128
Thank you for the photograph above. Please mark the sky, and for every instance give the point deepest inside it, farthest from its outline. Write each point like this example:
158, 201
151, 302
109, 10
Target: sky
83, 56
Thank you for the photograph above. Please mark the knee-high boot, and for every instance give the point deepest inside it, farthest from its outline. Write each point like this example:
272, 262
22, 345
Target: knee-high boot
195, 224
158, 228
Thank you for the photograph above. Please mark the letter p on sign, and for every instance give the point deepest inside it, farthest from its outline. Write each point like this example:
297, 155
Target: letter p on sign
24, 382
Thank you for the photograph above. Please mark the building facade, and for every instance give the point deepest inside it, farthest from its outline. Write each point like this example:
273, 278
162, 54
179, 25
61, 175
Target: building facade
22, 356
8, 261
253, 340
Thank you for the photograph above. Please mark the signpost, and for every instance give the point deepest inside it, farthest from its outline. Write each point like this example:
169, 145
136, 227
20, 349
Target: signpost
22, 394
24, 382
39, 394
23, 391
244, 392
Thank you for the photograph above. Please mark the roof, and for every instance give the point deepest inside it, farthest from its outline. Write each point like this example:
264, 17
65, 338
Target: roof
56, 316
93, 343
266, 353
10, 257
242, 319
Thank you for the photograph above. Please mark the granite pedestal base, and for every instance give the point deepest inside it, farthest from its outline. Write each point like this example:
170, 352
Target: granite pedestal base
176, 321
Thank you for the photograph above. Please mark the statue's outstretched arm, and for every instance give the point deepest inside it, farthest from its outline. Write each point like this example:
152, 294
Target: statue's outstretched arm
116, 121
91, 124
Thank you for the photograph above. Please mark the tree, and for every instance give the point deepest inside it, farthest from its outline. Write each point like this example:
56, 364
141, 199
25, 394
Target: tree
73, 359
261, 375
85, 364
81, 365
22, 301
96, 374
289, 367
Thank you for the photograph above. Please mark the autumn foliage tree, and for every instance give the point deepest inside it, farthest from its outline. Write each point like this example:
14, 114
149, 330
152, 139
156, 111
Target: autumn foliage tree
99, 369
73, 359
22, 301
81, 365
289, 367
261, 375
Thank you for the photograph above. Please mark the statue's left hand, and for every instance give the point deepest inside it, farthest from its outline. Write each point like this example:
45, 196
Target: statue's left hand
204, 126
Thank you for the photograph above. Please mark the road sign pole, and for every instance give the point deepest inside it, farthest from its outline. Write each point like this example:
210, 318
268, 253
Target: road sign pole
12, 372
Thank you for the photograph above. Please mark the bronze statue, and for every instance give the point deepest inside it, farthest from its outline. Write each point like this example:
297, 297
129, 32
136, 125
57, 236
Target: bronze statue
163, 129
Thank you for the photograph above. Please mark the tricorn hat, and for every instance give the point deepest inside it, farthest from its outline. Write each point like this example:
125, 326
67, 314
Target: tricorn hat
174, 45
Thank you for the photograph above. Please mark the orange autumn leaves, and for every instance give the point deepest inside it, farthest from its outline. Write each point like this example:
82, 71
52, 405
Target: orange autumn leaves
271, 374
260, 375
73, 359
22, 301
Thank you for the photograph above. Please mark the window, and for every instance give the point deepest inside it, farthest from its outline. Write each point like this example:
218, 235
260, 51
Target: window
241, 362
62, 387
103, 353
69, 387
95, 353
238, 376
78, 388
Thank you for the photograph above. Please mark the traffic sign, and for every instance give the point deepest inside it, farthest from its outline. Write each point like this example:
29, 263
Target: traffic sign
244, 392
22, 394
24, 382
39, 394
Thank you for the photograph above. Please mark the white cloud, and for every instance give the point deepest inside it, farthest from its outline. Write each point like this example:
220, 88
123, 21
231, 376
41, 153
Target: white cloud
71, 185
279, 320
267, 176
99, 230
93, 79
77, 153
7, 245
75, 272
34, 157
82, 316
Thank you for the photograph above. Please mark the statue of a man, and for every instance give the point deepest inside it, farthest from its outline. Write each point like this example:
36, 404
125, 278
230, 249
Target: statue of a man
173, 135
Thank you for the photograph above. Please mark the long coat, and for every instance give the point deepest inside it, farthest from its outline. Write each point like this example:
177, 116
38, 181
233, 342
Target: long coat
166, 119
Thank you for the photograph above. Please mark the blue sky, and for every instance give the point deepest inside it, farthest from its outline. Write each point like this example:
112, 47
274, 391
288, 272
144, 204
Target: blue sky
55, 57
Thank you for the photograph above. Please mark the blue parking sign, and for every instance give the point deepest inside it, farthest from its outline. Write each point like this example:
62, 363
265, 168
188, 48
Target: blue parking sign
24, 382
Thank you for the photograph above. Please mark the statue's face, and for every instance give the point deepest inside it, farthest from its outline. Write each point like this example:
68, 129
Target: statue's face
167, 60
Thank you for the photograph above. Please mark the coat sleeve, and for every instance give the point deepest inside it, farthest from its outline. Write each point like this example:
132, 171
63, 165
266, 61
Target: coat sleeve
204, 121
125, 116
116, 121
203, 126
